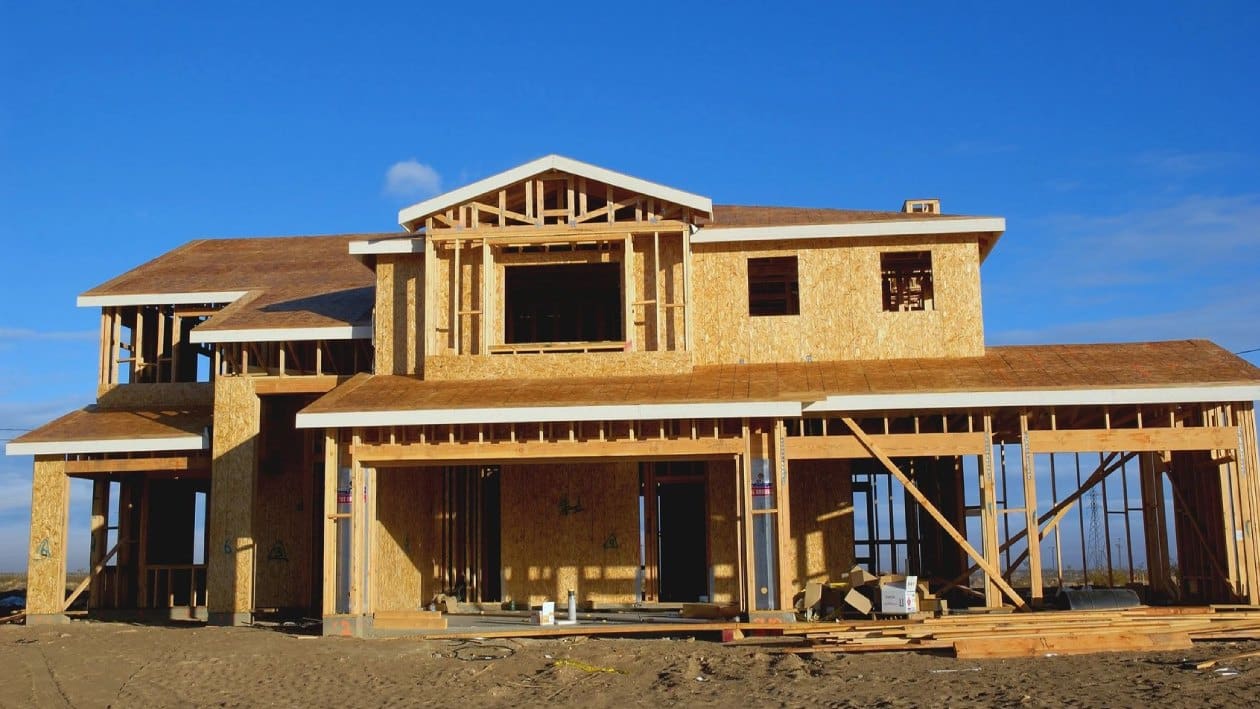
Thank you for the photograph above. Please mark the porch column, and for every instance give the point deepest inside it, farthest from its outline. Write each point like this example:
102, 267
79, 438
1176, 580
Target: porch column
100, 538
230, 552
50, 520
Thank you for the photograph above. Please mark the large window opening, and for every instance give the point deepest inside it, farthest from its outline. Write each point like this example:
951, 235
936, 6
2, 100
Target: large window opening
563, 303
907, 277
773, 287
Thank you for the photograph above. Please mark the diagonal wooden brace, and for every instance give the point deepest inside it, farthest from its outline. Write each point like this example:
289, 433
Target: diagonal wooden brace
995, 574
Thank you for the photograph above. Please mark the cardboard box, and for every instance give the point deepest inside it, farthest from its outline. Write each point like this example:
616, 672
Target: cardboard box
546, 616
859, 576
857, 601
899, 596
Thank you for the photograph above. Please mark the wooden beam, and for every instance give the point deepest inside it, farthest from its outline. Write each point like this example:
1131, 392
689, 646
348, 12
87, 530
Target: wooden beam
329, 526
557, 233
893, 444
485, 452
174, 463
783, 518
1135, 439
300, 384
627, 287
988, 515
989, 567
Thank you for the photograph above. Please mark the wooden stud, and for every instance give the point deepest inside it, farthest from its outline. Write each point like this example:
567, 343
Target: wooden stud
988, 515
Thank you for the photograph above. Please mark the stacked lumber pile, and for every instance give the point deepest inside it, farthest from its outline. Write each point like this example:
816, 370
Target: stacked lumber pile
996, 635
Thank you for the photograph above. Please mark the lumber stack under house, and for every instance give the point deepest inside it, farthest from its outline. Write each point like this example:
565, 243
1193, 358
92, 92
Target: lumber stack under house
565, 378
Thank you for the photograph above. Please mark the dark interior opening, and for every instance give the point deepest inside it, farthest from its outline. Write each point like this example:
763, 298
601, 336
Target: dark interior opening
578, 302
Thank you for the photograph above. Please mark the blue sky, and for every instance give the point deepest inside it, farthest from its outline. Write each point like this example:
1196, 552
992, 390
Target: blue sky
1118, 141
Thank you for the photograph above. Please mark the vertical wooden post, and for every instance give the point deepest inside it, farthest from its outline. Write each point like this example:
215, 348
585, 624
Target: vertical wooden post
627, 280
430, 296
686, 287
1155, 523
358, 513
457, 297
746, 521
99, 528
1248, 468
783, 527
329, 600
487, 295
988, 514
1030, 512
50, 522
658, 294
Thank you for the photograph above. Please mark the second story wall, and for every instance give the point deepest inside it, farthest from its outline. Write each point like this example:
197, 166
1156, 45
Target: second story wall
398, 317
856, 299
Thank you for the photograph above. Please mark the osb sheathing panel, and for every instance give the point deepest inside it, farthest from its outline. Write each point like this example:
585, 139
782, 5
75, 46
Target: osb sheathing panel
149, 396
572, 526
536, 366
723, 531
282, 531
469, 285
841, 303
50, 519
231, 549
398, 324
407, 538
821, 545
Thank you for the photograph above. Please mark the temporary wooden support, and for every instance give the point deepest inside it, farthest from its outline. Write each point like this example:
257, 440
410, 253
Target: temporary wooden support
329, 526
783, 527
91, 577
990, 568
99, 529
988, 518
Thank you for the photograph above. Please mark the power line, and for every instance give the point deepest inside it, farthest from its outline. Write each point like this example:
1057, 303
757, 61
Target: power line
1253, 349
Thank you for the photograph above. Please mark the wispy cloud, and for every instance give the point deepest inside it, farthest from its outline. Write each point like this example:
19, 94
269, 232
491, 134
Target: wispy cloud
1177, 163
8, 334
412, 179
1203, 235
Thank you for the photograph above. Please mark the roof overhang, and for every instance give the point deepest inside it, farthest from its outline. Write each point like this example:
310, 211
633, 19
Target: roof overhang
110, 445
102, 301
283, 334
408, 217
534, 414
856, 230
398, 245
1034, 397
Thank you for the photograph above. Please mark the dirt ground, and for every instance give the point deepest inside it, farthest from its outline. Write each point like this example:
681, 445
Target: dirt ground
92, 664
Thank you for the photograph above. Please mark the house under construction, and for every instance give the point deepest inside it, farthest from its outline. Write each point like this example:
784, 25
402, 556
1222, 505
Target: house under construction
563, 377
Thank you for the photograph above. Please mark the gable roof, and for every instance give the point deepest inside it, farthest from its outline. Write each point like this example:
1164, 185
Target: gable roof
411, 217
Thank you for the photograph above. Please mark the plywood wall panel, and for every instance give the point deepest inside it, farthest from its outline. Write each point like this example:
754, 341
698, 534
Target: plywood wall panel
841, 313
50, 520
723, 531
571, 526
551, 365
231, 549
821, 545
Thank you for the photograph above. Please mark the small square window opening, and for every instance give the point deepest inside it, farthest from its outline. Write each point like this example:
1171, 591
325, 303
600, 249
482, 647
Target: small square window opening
773, 287
907, 281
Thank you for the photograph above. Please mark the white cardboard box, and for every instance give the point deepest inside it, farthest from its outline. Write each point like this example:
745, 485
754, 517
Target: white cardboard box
546, 616
899, 596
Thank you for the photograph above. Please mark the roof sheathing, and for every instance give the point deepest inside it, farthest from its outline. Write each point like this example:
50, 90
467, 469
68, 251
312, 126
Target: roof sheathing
1125, 372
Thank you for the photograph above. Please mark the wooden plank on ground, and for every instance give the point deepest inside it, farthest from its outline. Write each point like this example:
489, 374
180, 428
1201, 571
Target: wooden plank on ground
1073, 644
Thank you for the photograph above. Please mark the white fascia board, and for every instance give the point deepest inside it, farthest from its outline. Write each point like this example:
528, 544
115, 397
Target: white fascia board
102, 301
419, 210
284, 334
388, 246
528, 414
115, 445
1046, 397
899, 227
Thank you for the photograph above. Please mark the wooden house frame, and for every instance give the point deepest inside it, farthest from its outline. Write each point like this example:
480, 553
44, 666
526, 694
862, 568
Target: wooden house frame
565, 378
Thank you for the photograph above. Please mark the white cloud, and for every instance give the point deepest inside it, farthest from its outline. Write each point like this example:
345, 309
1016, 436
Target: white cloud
412, 179
1175, 163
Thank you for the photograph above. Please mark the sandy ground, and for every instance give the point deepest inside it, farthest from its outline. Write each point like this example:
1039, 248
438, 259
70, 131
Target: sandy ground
90, 664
